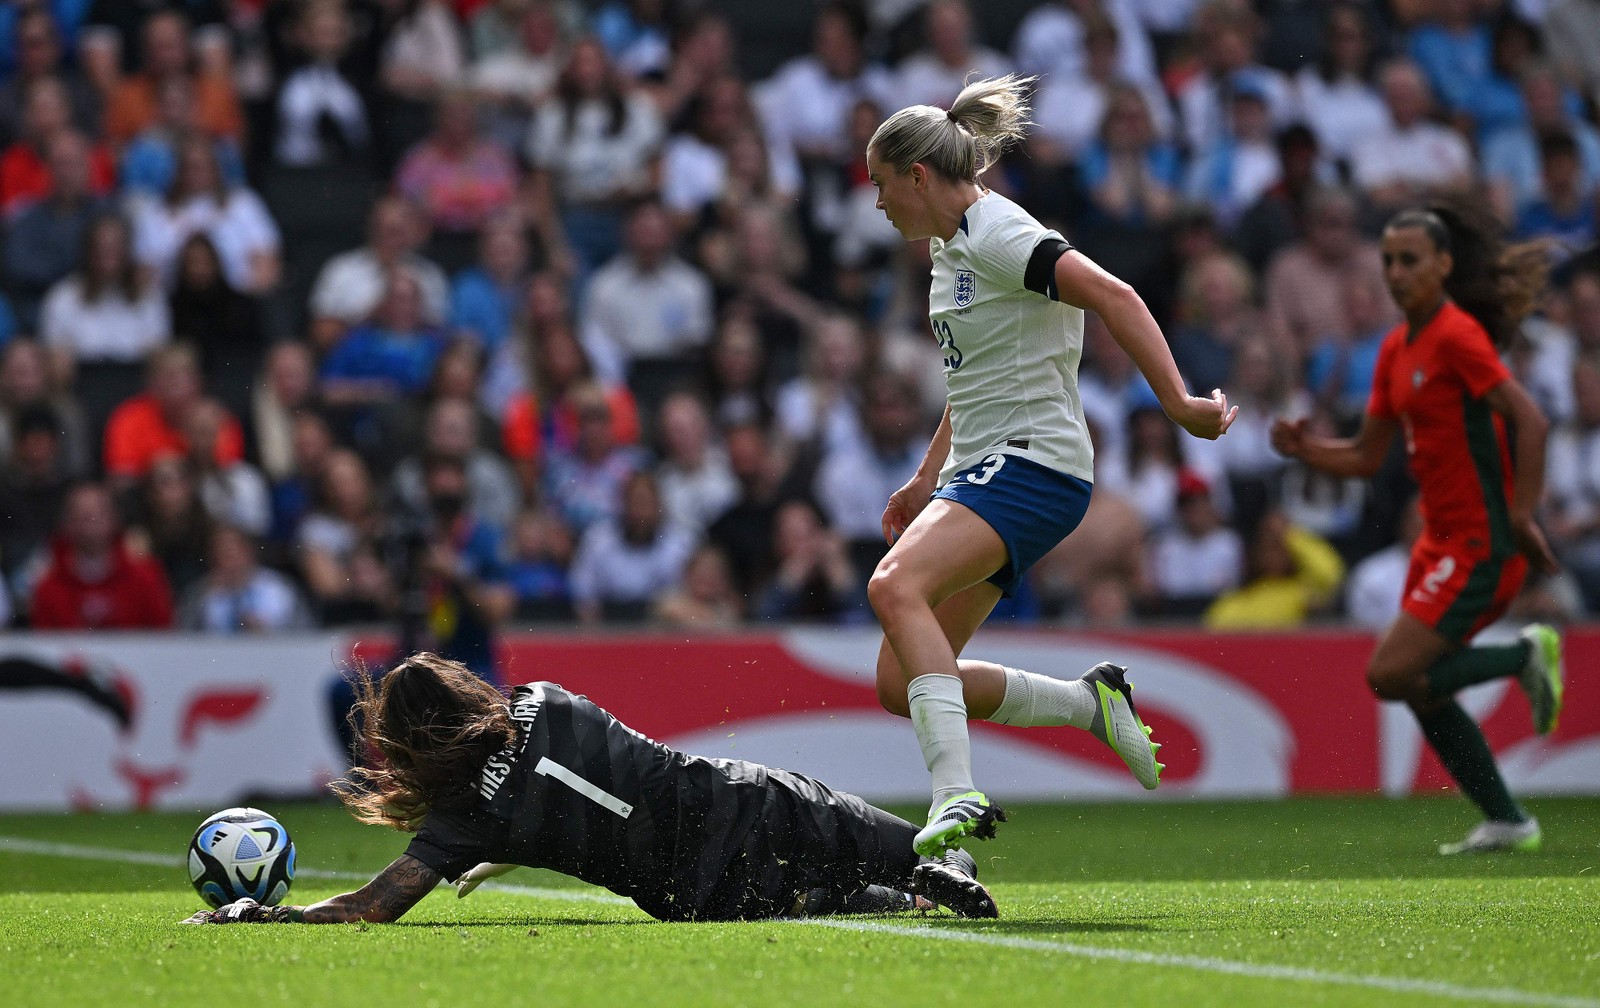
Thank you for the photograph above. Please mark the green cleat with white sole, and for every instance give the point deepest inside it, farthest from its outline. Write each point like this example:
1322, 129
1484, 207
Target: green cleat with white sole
1116, 723
1542, 678
971, 814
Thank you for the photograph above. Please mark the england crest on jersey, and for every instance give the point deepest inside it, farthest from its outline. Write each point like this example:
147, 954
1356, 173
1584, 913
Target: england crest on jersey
966, 288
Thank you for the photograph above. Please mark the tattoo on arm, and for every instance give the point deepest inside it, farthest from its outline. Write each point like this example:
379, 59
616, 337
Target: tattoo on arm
397, 889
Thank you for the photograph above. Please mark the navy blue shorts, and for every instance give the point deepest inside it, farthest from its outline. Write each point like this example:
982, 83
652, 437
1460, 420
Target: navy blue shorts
1032, 507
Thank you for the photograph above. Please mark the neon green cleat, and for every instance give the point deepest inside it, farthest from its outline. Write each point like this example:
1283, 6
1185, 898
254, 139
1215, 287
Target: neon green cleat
1492, 835
1116, 723
1542, 676
971, 814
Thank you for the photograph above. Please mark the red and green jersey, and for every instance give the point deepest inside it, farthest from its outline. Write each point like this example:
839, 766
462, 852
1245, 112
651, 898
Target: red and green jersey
1434, 382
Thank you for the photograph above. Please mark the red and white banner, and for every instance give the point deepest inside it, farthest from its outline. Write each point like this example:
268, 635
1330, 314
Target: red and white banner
1240, 715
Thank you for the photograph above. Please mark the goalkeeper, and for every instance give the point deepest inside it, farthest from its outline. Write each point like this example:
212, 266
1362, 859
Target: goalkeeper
550, 780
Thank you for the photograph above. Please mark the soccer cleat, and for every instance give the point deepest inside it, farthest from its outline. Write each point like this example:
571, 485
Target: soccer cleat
1116, 723
1492, 835
1541, 676
971, 814
951, 882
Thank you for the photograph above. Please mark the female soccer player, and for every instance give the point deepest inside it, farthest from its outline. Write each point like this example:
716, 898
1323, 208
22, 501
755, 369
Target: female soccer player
550, 780
1466, 418
1011, 461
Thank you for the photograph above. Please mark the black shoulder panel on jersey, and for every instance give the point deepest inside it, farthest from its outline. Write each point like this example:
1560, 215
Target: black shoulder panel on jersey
1040, 276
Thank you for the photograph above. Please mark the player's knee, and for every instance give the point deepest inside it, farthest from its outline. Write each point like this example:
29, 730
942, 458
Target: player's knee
1389, 682
888, 590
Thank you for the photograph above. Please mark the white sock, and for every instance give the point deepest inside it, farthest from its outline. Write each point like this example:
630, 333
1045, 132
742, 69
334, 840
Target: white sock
1036, 701
939, 714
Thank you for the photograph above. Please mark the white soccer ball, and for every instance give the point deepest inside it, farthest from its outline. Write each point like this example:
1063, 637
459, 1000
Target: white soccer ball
241, 852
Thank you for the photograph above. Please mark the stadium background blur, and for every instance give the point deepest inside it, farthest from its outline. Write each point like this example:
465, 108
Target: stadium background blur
517, 312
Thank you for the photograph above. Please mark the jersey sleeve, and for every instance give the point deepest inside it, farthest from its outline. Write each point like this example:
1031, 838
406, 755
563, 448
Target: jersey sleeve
1007, 254
1378, 402
450, 843
1473, 359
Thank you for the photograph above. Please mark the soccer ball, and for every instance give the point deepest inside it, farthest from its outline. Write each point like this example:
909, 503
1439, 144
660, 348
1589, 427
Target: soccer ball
241, 852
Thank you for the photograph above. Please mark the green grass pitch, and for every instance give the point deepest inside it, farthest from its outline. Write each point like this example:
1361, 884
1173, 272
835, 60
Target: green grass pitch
1304, 902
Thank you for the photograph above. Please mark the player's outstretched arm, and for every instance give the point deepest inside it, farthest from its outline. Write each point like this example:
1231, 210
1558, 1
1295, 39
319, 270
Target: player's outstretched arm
1081, 282
1359, 456
1530, 428
397, 889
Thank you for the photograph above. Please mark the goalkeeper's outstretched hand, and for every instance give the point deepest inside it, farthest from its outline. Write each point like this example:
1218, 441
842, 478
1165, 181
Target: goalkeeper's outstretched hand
244, 911
474, 877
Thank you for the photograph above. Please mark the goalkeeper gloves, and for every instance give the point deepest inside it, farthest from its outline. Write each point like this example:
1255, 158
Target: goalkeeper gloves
474, 877
244, 911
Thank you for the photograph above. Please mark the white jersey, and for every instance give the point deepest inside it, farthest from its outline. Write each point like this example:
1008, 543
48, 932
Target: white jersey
1010, 354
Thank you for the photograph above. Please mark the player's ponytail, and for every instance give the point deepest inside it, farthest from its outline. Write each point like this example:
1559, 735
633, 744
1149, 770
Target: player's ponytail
435, 724
1496, 283
962, 143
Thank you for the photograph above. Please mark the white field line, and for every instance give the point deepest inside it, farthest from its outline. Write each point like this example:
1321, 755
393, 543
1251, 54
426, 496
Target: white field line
1204, 964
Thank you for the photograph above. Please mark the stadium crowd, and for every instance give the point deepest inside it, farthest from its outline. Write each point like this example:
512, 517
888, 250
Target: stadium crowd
330, 312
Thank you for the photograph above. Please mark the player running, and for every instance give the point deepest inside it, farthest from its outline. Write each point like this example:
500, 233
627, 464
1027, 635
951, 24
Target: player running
550, 780
1008, 473
1440, 378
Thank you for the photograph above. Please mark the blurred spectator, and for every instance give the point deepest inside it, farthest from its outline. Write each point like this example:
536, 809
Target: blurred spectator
44, 242
39, 56
1498, 101
694, 161
865, 240
237, 594
1397, 166
540, 553
294, 486
154, 423
1070, 107
107, 310
1566, 209
453, 585
1279, 217
1290, 574
584, 483
1337, 96
33, 487
1226, 36
391, 355
745, 532
1513, 159
1339, 369
635, 34
820, 411
1376, 585
486, 296
623, 564
1454, 47
202, 202
694, 478
592, 145
234, 492
935, 73
93, 581
1572, 29
457, 176
1216, 313
131, 106
26, 383
450, 431
856, 478
704, 51
422, 51
1196, 559
113, 28
544, 418
518, 54
495, 25
26, 171
705, 598
340, 544
1309, 283
814, 579
1056, 41
737, 374
543, 307
149, 163
1573, 516
1236, 165
1131, 176
1264, 381
1154, 461
285, 389
351, 284
169, 522
762, 274
806, 105
650, 309
219, 321
320, 112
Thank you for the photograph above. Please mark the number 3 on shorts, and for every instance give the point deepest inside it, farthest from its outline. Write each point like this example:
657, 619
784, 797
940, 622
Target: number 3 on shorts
991, 465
